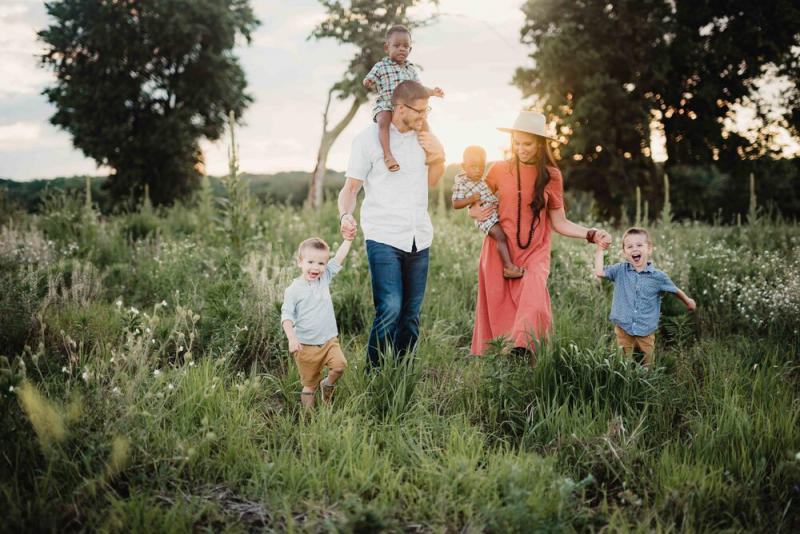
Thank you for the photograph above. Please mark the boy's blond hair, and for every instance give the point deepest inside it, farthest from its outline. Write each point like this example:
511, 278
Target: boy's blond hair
314, 243
636, 231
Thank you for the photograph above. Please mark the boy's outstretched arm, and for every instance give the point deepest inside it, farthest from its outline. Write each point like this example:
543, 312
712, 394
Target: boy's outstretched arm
691, 305
464, 202
341, 253
599, 262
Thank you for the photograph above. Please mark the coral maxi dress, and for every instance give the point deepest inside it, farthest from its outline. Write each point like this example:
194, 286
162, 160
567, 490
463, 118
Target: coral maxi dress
518, 308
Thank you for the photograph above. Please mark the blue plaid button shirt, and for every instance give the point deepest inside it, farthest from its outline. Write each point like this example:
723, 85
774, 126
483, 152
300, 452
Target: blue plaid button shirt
637, 296
387, 75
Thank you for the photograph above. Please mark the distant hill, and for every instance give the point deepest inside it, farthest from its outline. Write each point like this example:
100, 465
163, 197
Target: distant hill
283, 187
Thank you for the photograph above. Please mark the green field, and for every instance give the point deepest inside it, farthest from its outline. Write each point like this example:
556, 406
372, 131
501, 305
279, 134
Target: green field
145, 386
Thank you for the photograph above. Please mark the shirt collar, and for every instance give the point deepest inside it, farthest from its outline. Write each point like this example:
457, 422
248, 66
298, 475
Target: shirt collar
390, 61
393, 129
648, 268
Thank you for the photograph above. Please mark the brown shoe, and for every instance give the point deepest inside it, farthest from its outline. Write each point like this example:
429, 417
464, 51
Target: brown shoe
327, 391
391, 164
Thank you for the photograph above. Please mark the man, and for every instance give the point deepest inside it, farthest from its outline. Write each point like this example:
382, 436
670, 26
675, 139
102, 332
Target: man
395, 219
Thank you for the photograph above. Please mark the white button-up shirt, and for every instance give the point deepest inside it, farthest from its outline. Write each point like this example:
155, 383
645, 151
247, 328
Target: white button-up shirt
395, 207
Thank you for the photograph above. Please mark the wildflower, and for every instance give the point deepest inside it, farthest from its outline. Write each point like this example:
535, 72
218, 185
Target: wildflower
154, 341
797, 456
64, 369
134, 311
156, 372
85, 376
116, 390
147, 330
191, 364
170, 386
111, 360
11, 389
180, 349
118, 303
164, 303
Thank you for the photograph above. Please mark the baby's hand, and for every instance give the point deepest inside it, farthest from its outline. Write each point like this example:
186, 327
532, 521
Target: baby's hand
437, 91
691, 305
475, 196
368, 83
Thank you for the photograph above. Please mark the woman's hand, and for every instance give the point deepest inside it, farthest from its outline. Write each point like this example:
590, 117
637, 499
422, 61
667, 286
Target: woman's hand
603, 239
480, 213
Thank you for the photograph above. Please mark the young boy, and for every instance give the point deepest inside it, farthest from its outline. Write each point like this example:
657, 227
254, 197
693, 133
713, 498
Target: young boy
309, 322
637, 293
470, 188
387, 74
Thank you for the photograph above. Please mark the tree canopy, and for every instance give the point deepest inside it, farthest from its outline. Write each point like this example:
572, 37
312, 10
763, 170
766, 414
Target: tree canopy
140, 82
606, 71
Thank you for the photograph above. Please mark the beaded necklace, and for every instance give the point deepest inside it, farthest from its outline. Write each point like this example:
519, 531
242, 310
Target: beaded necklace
519, 213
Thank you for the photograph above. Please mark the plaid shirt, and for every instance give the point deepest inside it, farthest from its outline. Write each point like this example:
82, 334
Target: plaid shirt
465, 188
387, 75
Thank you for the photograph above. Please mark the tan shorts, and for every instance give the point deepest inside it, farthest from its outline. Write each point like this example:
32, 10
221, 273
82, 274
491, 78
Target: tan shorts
646, 344
312, 358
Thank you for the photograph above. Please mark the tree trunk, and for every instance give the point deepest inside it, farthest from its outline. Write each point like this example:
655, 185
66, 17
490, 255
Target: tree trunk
328, 138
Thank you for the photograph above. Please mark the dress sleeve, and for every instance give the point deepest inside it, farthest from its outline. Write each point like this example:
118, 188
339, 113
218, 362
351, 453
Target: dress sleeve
555, 189
491, 177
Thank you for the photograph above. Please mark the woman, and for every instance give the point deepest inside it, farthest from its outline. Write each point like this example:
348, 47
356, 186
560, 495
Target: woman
530, 191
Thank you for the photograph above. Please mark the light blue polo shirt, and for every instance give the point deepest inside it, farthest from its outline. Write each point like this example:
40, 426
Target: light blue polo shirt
637, 296
307, 304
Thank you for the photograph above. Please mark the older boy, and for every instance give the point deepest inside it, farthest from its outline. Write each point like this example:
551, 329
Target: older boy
309, 322
637, 293
395, 219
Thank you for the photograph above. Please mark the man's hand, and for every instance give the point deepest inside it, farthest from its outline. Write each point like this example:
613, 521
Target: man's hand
430, 143
348, 227
368, 83
480, 213
294, 345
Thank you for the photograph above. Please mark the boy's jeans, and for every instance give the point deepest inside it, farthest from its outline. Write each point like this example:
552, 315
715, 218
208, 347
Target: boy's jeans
398, 286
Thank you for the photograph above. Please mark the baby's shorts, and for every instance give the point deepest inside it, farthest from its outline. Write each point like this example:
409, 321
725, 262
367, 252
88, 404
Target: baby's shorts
646, 343
382, 106
486, 225
312, 358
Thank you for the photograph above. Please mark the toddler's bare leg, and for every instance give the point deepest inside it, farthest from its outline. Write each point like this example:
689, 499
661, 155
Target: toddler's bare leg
384, 119
307, 396
497, 233
327, 384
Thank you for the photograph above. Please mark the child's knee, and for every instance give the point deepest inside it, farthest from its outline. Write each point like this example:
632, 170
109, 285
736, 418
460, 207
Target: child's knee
336, 372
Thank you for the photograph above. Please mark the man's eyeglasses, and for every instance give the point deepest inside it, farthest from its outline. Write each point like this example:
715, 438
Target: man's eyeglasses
426, 111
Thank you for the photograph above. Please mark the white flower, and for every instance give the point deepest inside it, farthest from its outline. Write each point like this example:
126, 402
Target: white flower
170, 386
118, 303
164, 303
85, 376
64, 369
11, 389
180, 349
156, 372
191, 364
134, 311
154, 341
797, 456
112, 359
147, 330
116, 390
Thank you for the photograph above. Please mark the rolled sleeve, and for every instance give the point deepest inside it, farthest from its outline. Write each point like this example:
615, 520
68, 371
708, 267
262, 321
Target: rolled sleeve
375, 73
288, 309
665, 284
612, 271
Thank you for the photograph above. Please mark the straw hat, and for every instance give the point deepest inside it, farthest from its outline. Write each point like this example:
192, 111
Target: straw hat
531, 122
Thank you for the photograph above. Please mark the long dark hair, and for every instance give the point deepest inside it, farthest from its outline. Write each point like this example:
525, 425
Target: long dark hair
546, 160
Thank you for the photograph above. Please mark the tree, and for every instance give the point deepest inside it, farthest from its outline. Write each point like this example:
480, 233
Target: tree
362, 23
605, 70
140, 82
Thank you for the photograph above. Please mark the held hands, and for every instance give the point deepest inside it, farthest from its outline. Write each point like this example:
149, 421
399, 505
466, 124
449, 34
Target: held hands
603, 239
348, 227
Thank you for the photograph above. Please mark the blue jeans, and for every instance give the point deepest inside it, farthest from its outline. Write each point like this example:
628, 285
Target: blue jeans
398, 286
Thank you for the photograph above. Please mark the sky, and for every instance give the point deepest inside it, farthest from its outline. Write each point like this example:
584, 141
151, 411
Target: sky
471, 53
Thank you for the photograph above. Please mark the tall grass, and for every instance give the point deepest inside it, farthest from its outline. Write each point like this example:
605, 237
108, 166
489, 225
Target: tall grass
145, 385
